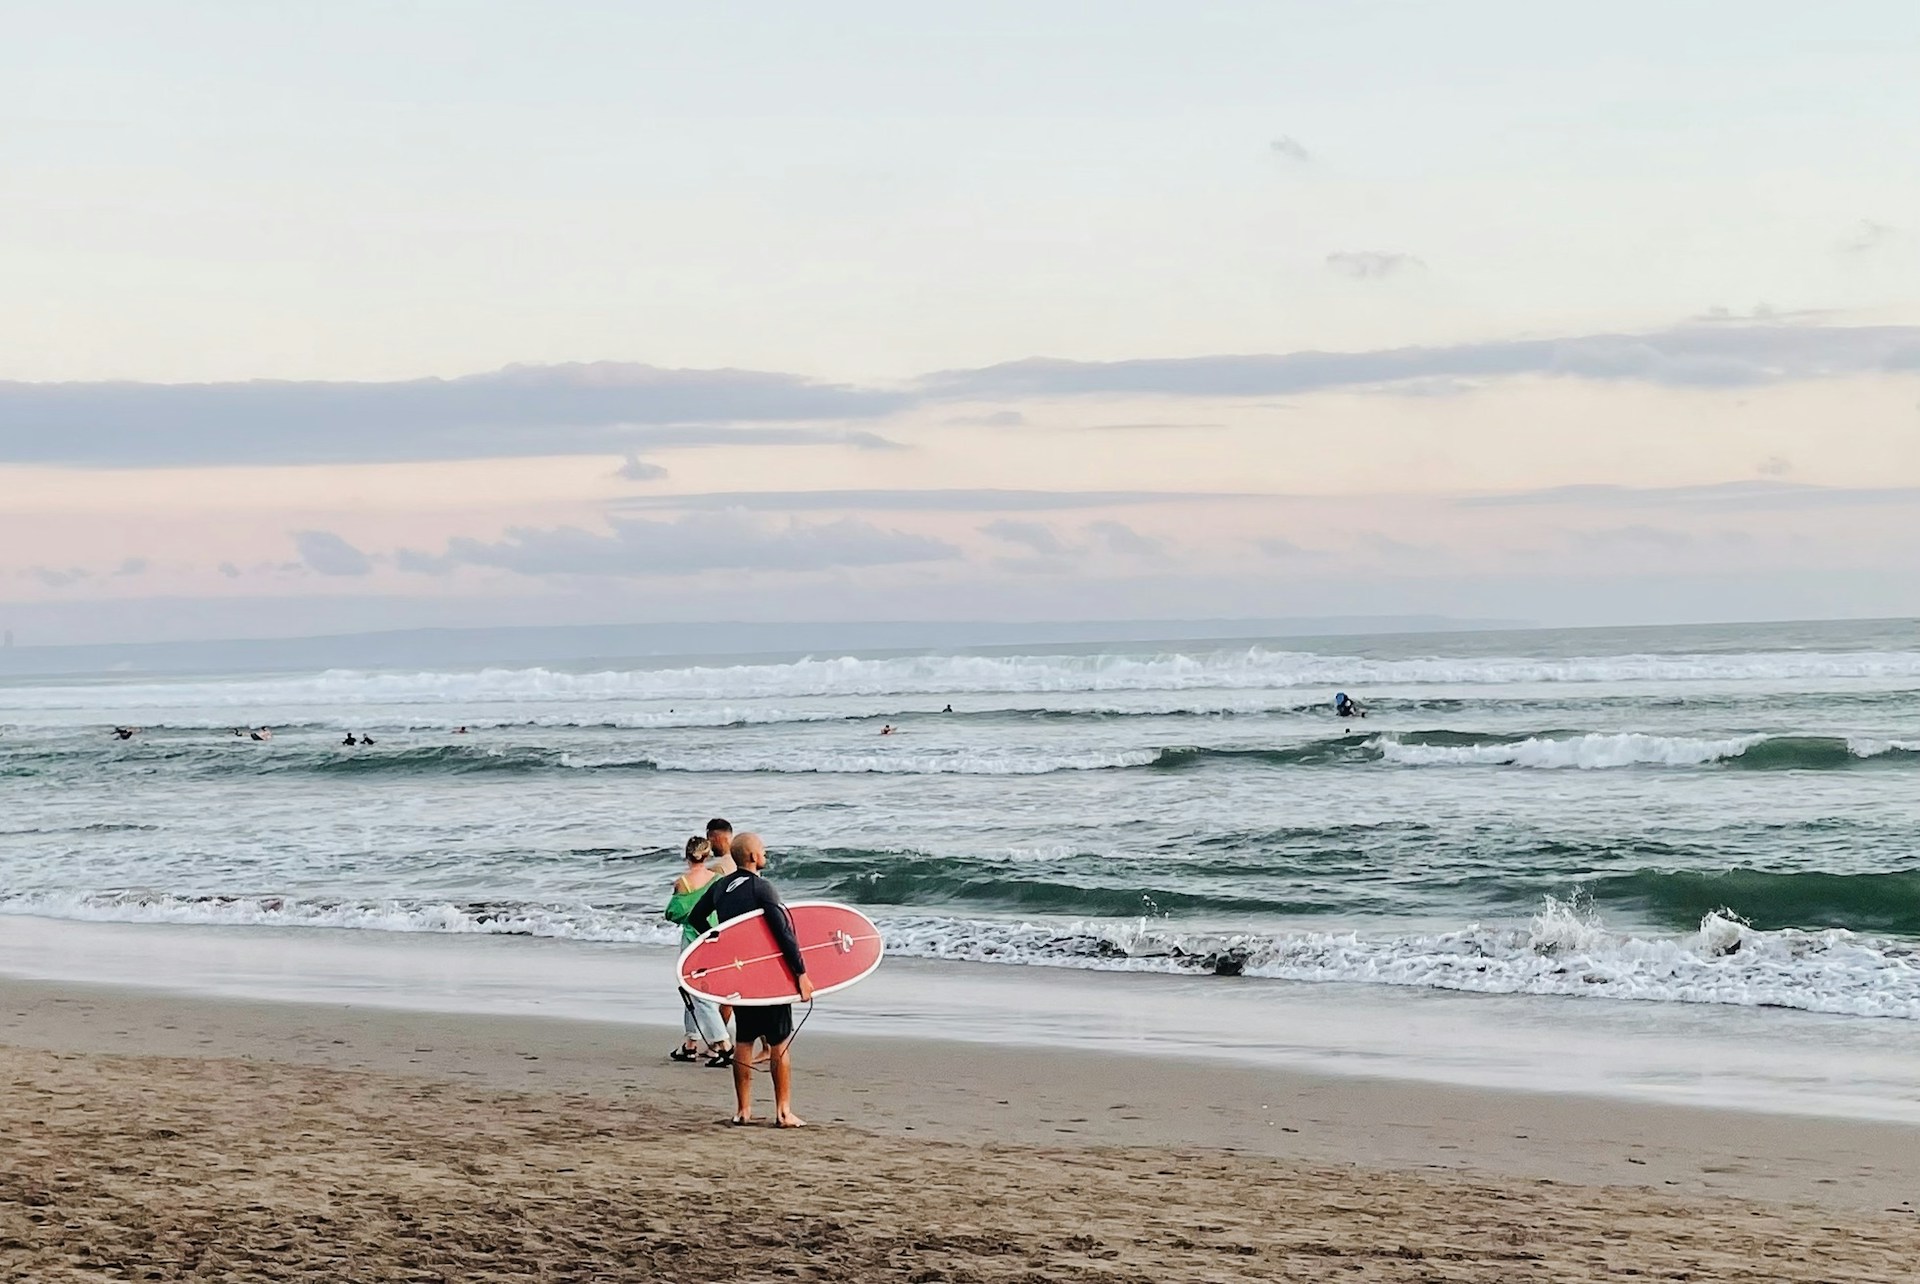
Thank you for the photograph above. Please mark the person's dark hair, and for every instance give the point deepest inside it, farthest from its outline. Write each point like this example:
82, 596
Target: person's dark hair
719, 826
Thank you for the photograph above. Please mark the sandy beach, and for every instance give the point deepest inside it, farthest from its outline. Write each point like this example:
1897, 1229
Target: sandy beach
160, 1136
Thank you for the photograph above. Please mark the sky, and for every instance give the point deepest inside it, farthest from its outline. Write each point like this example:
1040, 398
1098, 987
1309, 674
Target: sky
342, 316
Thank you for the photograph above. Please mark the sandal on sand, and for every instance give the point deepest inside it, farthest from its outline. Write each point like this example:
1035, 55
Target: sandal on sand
740, 1121
724, 1057
682, 1054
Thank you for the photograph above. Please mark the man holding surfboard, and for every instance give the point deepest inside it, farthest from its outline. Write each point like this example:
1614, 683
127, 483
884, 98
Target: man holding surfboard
729, 897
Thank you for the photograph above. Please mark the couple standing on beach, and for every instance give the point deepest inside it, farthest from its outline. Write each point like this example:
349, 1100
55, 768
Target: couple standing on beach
723, 882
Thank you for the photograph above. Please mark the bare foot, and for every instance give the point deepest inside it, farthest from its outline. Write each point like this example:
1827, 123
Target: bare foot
790, 1120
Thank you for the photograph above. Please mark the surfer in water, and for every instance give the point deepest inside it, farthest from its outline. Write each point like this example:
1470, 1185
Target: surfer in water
1346, 706
349, 740
701, 1018
728, 898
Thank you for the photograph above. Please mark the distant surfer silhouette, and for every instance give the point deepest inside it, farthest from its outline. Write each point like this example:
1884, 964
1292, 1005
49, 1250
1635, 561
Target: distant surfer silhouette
125, 733
1345, 706
349, 740
887, 730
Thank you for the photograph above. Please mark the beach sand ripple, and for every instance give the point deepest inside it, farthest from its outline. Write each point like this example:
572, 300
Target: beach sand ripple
150, 1168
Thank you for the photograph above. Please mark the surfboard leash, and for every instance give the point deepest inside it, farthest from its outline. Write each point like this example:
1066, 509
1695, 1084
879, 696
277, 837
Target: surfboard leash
753, 1065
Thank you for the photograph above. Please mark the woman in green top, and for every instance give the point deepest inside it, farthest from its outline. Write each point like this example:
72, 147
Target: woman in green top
701, 1019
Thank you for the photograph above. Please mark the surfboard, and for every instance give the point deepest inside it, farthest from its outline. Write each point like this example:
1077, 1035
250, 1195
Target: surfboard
739, 963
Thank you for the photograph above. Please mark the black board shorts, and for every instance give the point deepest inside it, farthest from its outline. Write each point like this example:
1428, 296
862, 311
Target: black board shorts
774, 1024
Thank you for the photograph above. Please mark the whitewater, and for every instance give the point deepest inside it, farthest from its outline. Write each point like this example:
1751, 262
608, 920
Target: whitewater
1712, 817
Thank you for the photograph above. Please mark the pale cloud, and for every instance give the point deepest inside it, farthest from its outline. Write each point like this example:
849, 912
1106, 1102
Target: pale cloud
1752, 495
1639, 535
229, 570
1038, 536
328, 554
1760, 314
1288, 148
1372, 265
133, 566
520, 411
909, 500
1690, 356
1386, 546
637, 469
863, 440
632, 411
1123, 539
54, 577
1867, 236
990, 419
1153, 426
690, 545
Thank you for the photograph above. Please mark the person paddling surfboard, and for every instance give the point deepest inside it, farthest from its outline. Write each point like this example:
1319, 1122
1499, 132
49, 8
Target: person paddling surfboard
729, 897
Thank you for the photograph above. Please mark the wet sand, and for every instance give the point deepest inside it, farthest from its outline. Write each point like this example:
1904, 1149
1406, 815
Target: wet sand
155, 1136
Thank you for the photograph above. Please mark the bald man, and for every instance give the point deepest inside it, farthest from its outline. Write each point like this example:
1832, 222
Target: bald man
729, 897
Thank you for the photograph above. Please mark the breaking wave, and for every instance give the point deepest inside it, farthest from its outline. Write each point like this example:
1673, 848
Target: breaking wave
1434, 748
1597, 750
1560, 951
1249, 669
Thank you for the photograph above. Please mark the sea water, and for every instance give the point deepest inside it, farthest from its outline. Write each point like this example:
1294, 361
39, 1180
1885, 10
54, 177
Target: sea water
1718, 816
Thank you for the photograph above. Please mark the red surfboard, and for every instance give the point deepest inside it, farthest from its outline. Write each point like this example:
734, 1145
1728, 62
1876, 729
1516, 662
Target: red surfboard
739, 963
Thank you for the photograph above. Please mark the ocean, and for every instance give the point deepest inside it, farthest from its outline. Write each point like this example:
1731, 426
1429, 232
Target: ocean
1724, 816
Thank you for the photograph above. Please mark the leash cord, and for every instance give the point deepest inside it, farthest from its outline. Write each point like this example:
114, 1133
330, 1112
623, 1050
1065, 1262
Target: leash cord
800, 1025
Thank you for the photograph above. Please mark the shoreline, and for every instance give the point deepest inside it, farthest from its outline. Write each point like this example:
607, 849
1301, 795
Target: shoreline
1758, 1061
918, 1090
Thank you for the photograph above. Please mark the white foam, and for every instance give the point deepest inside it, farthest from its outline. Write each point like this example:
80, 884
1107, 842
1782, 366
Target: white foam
956, 762
1865, 747
1561, 951
561, 923
1588, 752
1252, 669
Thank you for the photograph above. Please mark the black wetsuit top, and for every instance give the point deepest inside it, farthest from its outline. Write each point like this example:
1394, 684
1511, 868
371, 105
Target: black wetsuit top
731, 895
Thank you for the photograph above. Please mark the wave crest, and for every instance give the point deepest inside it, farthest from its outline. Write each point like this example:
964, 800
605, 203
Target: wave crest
1560, 951
1250, 669
1600, 750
